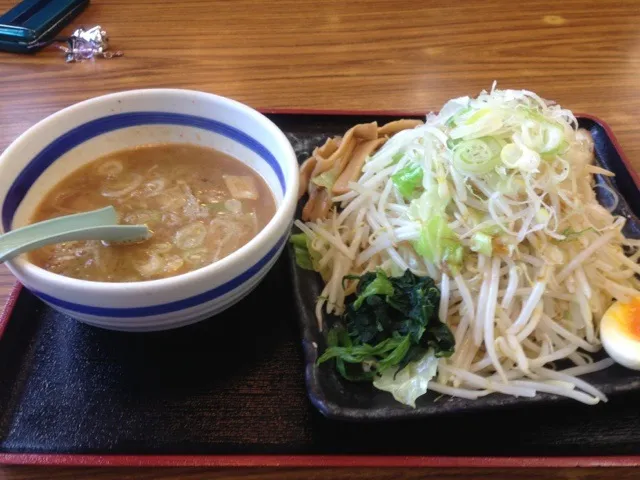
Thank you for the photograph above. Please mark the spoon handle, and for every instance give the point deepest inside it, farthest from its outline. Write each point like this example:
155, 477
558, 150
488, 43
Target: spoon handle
96, 225
102, 216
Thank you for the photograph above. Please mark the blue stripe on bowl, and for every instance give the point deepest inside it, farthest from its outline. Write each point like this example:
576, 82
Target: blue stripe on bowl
171, 306
80, 134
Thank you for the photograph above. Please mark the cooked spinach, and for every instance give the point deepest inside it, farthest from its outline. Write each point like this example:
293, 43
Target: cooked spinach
388, 322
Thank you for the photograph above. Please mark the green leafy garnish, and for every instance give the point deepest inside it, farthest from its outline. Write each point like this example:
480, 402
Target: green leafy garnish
408, 179
379, 286
386, 353
390, 321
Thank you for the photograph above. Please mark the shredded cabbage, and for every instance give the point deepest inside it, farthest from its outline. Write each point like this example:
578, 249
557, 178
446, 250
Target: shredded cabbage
481, 243
438, 243
411, 382
408, 179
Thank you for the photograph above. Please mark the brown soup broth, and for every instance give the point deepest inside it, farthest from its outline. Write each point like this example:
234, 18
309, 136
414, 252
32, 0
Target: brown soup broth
200, 204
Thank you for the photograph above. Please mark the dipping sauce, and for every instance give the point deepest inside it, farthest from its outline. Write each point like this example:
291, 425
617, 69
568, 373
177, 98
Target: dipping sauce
200, 204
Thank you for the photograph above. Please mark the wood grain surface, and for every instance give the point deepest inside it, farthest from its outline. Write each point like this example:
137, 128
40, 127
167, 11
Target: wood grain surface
336, 54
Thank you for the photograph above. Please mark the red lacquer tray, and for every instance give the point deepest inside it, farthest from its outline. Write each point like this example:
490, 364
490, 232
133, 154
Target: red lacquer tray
230, 391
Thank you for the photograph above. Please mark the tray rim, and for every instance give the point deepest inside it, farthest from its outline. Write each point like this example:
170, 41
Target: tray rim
321, 461
318, 461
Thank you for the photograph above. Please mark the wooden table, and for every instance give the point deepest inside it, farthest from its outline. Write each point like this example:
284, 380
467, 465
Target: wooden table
359, 55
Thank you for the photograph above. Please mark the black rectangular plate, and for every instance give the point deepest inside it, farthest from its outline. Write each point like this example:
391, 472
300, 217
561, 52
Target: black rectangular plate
340, 399
234, 385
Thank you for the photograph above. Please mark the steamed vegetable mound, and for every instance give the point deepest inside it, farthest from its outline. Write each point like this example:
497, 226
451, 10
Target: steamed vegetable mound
493, 201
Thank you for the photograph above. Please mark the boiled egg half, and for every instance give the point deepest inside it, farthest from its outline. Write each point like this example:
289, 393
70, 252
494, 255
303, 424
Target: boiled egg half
620, 333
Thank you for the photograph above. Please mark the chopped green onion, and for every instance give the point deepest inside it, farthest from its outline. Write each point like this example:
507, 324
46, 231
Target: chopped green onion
477, 156
553, 138
520, 157
560, 150
451, 143
454, 119
510, 185
541, 134
477, 116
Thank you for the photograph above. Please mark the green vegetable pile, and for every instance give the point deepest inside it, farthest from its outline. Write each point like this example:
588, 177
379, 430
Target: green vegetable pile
388, 323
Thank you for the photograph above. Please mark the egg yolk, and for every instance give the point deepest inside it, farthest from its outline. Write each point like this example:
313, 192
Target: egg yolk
627, 316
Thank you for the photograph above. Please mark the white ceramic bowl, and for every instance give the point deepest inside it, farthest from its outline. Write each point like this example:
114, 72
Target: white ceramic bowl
54, 147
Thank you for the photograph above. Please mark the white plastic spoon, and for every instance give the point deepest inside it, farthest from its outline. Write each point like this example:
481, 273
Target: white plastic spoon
99, 224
